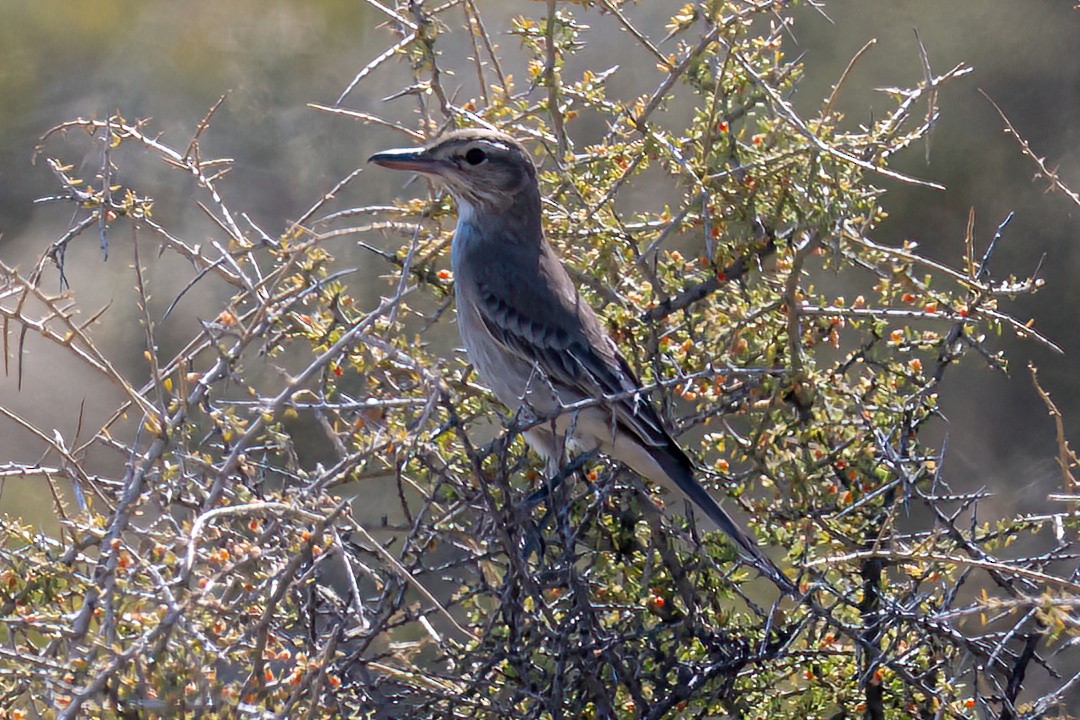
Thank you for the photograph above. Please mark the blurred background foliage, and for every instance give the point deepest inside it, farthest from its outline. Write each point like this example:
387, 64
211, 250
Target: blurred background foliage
171, 61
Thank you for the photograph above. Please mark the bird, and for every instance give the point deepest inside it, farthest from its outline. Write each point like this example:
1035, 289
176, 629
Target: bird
531, 337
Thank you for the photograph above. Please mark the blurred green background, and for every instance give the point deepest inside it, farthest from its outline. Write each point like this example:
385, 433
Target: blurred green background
172, 60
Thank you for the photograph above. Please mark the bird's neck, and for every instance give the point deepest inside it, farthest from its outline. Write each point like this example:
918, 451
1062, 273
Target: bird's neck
516, 221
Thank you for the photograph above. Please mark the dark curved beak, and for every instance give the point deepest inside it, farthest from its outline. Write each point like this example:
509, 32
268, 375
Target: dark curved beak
415, 159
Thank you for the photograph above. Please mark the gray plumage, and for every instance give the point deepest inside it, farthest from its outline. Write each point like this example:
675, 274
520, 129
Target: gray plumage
528, 332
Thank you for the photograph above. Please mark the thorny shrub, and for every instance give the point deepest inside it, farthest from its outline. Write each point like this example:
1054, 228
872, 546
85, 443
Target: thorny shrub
217, 575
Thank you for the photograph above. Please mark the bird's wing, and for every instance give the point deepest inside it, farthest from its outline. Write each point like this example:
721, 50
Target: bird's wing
533, 309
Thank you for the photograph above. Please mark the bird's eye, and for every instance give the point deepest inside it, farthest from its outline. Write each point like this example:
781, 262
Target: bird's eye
475, 156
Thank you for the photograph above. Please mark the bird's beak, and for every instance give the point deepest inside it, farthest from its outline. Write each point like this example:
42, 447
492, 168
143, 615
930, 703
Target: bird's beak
415, 159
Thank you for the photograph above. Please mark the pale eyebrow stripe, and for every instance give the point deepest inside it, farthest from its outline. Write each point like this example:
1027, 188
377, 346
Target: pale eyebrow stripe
493, 143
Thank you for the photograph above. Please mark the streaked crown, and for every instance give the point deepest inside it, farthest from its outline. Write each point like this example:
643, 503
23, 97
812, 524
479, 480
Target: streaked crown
486, 169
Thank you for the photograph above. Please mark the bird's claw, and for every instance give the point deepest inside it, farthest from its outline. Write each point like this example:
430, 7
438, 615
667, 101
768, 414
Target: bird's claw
533, 537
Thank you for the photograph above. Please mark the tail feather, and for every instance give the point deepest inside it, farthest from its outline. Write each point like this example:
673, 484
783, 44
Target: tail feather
677, 466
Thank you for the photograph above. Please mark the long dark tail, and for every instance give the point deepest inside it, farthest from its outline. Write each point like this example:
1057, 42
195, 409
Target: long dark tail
676, 464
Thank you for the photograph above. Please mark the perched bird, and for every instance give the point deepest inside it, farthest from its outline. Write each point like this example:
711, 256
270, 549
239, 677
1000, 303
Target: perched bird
532, 338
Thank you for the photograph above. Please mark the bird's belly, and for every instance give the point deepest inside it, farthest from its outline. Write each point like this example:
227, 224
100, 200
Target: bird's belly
593, 428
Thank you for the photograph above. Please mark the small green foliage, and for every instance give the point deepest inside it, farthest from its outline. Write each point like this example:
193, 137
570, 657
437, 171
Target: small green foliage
222, 570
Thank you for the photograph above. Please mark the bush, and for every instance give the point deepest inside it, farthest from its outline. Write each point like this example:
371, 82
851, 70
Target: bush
237, 564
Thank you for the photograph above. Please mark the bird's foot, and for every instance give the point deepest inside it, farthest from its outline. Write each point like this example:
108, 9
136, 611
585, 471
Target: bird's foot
533, 535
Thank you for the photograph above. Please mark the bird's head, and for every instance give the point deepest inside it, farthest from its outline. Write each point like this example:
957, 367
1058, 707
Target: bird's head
484, 170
